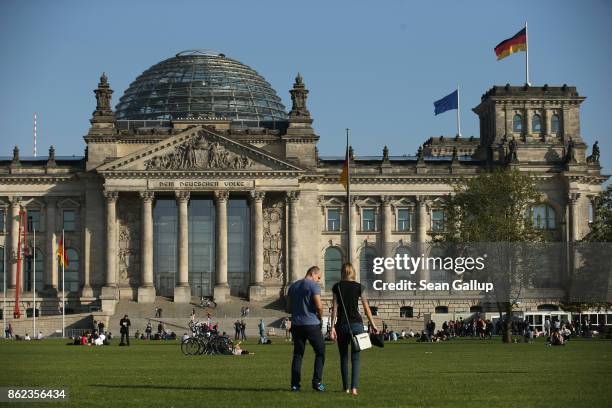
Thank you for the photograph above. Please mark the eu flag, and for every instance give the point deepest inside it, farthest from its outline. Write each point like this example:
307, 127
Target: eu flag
449, 102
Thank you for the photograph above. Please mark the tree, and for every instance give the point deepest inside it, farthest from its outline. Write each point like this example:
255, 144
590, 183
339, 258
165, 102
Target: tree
491, 212
589, 282
601, 228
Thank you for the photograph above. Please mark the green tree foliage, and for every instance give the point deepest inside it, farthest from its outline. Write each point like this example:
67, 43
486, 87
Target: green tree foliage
601, 228
494, 208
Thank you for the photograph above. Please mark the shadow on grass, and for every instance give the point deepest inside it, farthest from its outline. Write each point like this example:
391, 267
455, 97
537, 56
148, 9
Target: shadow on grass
179, 388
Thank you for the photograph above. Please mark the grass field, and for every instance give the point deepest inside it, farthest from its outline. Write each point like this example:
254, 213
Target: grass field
452, 374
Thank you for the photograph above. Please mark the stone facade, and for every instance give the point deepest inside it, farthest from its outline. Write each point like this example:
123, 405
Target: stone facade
291, 190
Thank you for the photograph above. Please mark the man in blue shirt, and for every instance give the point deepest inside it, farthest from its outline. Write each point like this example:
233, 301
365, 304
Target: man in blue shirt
306, 316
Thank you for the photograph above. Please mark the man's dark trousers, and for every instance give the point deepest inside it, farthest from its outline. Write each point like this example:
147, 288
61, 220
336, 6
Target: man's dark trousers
125, 333
300, 334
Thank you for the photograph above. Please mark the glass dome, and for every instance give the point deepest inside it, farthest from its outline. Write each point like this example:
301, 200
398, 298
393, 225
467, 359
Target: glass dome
201, 84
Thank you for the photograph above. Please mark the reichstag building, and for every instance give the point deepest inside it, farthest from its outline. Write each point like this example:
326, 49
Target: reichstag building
200, 183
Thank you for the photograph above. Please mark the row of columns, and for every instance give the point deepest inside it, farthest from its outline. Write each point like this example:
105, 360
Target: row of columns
48, 241
182, 292
422, 226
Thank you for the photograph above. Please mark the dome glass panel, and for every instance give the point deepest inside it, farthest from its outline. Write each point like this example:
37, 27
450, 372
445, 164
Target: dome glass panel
201, 84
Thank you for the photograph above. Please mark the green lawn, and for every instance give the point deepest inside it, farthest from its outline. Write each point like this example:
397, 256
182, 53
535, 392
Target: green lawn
452, 374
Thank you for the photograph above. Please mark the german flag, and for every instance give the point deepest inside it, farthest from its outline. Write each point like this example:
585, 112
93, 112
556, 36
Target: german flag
62, 255
344, 176
511, 45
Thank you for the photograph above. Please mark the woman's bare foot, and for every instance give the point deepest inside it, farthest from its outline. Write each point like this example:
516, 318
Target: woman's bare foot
348, 391
354, 391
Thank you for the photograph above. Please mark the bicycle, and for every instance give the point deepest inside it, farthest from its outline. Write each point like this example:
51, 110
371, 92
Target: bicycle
207, 302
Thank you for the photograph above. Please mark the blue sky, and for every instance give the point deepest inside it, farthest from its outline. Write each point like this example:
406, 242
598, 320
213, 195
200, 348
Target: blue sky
375, 67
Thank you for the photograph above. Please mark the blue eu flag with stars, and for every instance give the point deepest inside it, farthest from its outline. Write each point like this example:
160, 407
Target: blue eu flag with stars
449, 102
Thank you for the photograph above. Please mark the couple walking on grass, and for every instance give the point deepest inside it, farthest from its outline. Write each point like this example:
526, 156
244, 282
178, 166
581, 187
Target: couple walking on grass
306, 318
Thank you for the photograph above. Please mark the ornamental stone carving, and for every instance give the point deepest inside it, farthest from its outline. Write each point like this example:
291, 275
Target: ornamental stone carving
273, 246
128, 245
199, 154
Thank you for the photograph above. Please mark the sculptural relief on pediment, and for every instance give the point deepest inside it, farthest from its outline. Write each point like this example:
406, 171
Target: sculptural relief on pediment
198, 153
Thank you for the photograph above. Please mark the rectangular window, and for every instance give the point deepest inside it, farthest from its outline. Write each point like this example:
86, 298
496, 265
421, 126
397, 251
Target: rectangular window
333, 219
1, 220
368, 218
437, 220
405, 219
69, 220
33, 220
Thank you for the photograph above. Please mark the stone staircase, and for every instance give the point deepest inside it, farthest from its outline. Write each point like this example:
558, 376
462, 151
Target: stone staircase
176, 316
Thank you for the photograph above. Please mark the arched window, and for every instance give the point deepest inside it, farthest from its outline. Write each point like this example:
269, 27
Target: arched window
554, 124
441, 309
71, 272
536, 124
366, 265
406, 311
32, 265
543, 217
517, 124
333, 265
403, 273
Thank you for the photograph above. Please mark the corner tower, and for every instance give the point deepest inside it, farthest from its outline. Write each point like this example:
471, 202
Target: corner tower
540, 123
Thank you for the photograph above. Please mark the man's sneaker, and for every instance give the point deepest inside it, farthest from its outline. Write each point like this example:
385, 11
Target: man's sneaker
318, 387
295, 388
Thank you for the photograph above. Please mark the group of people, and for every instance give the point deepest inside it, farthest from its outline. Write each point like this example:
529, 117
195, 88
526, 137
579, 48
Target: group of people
240, 329
346, 321
93, 338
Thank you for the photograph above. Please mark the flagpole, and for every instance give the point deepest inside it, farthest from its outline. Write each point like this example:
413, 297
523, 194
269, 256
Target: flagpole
348, 199
458, 112
526, 56
63, 286
34, 283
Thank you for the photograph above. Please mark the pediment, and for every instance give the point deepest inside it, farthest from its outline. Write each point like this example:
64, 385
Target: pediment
331, 202
403, 202
367, 202
201, 150
68, 203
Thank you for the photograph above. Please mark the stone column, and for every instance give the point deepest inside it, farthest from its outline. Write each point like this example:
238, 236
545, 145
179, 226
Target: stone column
257, 290
86, 290
387, 229
353, 257
573, 210
527, 124
110, 291
50, 275
146, 290
293, 198
221, 286
11, 281
546, 124
508, 122
422, 227
564, 125
182, 291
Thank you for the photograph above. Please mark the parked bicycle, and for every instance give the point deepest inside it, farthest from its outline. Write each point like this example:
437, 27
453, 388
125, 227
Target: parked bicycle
207, 302
206, 341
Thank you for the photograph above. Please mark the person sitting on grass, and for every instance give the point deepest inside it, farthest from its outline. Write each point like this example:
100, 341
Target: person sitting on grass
99, 341
556, 339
